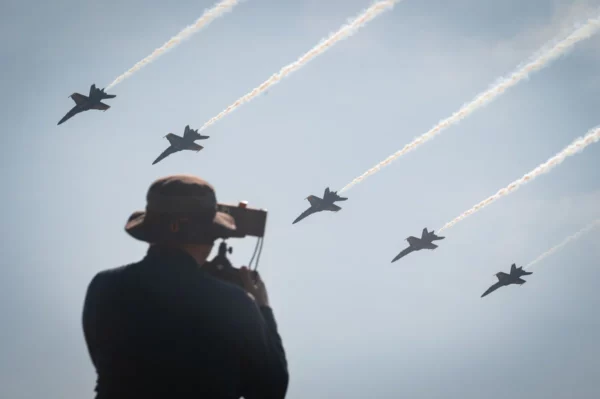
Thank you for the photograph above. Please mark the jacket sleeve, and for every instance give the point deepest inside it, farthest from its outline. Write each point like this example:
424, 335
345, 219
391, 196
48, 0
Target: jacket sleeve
90, 318
264, 364
98, 330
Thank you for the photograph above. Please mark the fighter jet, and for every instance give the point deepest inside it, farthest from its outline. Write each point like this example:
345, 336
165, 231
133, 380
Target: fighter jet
85, 103
417, 244
321, 204
506, 279
179, 143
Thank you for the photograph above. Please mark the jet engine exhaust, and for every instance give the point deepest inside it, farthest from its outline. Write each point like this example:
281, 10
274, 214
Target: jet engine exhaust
586, 229
208, 16
344, 32
539, 61
576, 146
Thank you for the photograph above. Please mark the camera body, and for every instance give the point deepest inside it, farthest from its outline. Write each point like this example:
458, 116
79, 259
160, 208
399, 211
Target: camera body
221, 268
249, 222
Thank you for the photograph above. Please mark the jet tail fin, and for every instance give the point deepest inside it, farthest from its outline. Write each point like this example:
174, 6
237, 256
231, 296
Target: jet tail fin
333, 195
100, 93
192, 134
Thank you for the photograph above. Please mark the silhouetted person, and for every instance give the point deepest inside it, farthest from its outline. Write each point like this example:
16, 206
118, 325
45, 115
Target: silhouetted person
164, 328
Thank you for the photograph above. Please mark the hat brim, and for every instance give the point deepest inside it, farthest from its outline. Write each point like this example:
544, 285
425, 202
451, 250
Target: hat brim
222, 226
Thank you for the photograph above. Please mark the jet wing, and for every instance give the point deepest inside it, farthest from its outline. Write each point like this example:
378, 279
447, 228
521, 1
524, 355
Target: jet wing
74, 111
304, 214
404, 252
314, 201
79, 99
520, 281
429, 246
501, 275
100, 106
412, 241
166, 153
491, 289
333, 207
194, 147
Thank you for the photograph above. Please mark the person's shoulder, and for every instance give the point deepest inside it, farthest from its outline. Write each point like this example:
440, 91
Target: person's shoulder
112, 273
108, 277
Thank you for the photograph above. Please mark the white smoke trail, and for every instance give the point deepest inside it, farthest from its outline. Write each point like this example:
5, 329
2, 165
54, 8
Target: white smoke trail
344, 32
567, 240
208, 16
576, 146
542, 59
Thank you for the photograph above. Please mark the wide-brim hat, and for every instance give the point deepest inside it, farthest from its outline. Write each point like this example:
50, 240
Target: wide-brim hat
180, 209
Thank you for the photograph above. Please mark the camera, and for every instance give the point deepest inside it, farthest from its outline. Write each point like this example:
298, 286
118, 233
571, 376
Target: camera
221, 268
249, 222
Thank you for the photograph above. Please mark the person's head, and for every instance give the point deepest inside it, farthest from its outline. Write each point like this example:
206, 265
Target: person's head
181, 212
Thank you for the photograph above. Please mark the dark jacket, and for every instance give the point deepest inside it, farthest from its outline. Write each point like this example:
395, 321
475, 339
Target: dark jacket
164, 328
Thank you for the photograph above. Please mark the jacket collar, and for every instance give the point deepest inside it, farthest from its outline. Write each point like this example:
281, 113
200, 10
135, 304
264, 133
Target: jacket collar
173, 256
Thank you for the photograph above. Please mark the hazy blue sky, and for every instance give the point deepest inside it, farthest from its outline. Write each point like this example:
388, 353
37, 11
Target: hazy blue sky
354, 325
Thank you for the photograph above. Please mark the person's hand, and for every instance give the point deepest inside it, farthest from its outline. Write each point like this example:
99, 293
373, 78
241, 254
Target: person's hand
255, 286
